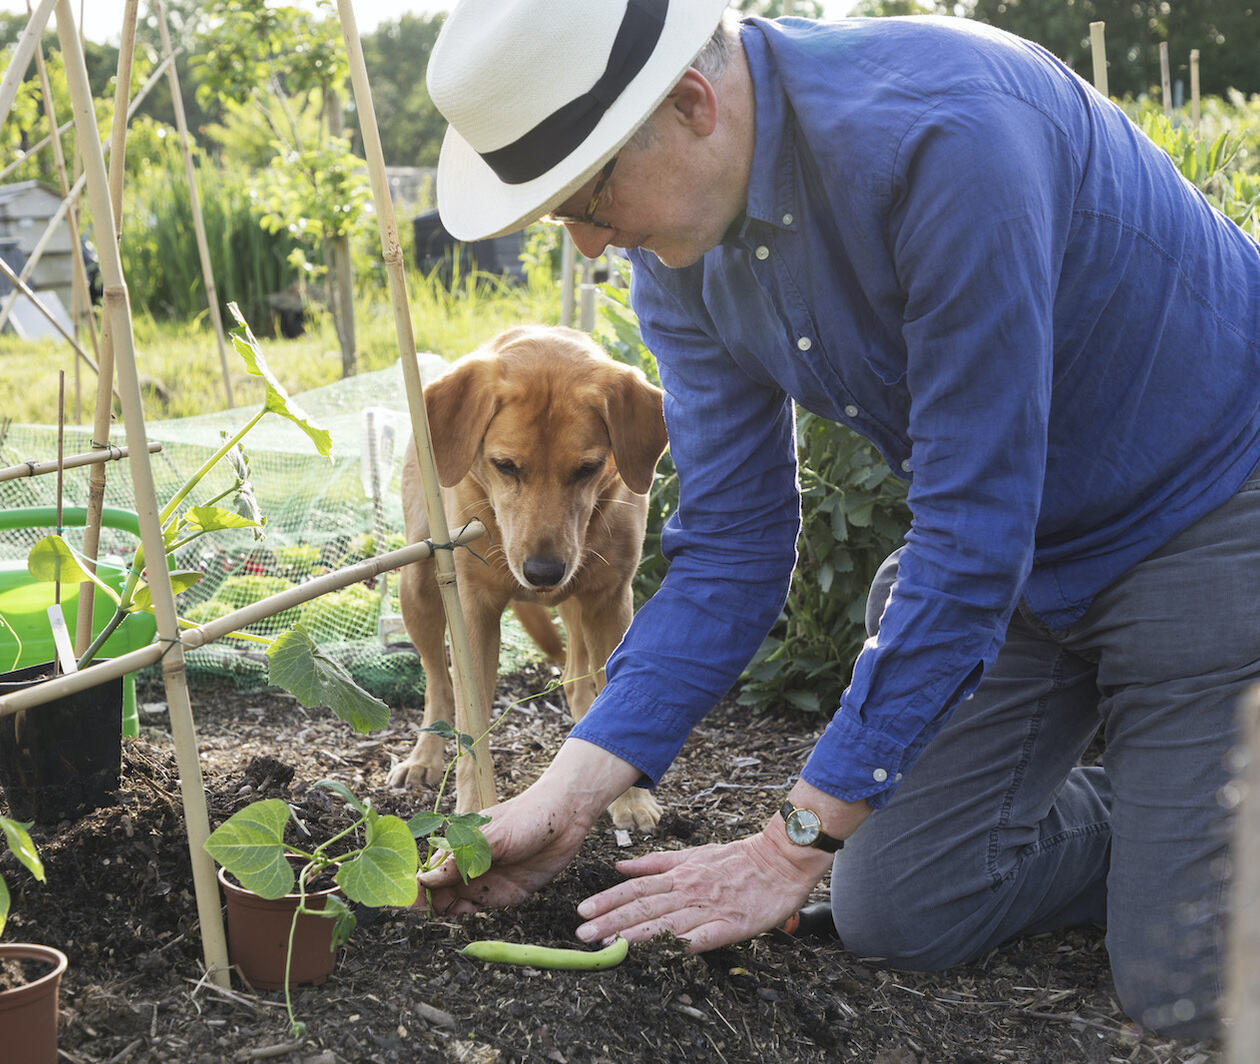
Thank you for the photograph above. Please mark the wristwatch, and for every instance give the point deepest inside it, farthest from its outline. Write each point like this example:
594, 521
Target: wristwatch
804, 827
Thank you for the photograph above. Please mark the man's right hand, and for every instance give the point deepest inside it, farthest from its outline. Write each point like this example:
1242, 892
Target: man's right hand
534, 835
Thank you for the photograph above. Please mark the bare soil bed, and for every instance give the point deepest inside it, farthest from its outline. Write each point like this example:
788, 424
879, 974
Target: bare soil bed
119, 901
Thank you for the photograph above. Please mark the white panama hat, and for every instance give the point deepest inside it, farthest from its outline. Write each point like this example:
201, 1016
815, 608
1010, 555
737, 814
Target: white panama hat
539, 94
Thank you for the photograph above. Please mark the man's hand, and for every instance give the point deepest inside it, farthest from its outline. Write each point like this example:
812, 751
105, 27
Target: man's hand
534, 835
717, 894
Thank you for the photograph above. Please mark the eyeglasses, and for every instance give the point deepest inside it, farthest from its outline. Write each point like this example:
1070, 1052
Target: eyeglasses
587, 217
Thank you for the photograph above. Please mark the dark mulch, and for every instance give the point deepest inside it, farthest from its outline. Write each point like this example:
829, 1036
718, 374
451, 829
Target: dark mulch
119, 901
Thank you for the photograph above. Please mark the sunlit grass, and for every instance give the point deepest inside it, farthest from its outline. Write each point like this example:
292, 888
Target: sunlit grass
180, 366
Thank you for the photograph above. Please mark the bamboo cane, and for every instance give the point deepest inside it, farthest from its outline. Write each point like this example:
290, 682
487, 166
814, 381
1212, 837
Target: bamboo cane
194, 200
191, 638
476, 774
74, 461
1098, 48
27, 43
1165, 79
104, 412
1194, 89
82, 293
183, 730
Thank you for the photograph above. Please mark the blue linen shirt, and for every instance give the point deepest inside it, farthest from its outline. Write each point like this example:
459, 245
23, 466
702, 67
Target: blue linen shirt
956, 247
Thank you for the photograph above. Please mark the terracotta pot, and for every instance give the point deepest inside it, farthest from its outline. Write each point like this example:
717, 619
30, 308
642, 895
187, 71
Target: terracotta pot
62, 759
28, 1013
258, 937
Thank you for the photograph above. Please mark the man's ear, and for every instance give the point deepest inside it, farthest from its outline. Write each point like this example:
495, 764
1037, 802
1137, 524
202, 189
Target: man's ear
693, 102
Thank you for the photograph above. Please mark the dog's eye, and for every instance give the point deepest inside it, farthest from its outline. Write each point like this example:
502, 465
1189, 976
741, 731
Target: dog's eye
506, 466
587, 470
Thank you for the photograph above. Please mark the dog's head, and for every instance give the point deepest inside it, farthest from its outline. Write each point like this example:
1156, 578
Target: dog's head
545, 423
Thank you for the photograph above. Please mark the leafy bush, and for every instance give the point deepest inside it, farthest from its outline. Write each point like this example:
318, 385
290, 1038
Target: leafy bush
854, 515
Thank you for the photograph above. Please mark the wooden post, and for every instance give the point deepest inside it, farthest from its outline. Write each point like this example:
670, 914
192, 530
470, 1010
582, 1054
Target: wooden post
199, 225
1243, 985
196, 817
475, 773
1194, 89
1098, 49
1165, 79
341, 268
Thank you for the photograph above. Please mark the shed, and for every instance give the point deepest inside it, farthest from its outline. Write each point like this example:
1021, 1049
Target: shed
26, 208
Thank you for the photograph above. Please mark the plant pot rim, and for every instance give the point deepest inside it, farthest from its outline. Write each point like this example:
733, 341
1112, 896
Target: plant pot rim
34, 951
235, 888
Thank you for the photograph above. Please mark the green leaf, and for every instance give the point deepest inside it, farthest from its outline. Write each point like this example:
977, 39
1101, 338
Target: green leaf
250, 845
471, 850
277, 401
53, 560
16, 834
346, 794
296, 664
384, 873
4, 904
213, 518
181, 580
345, 919
425, 823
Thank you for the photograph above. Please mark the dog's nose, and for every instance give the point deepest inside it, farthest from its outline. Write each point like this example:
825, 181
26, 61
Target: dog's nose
543, 570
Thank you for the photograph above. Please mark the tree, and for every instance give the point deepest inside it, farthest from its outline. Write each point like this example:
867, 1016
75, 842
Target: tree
397, 54
1226, 33
280, 60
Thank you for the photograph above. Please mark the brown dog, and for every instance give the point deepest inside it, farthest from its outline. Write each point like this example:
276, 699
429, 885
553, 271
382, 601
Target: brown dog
552, 445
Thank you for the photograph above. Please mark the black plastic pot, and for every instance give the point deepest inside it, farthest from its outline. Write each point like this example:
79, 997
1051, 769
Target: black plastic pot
62, 759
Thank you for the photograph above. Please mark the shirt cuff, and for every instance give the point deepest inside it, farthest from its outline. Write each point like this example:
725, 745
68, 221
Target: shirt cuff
855, 763
639, 729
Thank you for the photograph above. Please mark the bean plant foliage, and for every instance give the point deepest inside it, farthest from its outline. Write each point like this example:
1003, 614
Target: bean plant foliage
853, 514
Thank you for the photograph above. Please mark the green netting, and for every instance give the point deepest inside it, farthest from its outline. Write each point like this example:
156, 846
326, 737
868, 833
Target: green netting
320, 515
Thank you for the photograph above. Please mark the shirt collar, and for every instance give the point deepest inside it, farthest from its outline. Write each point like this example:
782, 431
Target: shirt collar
772, 180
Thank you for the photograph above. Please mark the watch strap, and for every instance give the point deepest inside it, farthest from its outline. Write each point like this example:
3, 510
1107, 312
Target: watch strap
826, 843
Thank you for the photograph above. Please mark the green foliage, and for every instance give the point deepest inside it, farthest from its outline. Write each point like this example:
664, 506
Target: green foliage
395, 54
350, 613
1216, 166
854, 515
159, 249
17, 837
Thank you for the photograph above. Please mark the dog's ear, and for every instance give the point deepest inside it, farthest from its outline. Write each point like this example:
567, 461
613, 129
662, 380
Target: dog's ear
460, 404
635, 418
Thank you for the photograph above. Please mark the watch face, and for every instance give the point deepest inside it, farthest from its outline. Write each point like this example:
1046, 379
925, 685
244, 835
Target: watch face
803, 826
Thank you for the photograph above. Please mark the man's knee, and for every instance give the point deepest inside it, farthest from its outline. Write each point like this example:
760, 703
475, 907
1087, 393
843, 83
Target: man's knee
901, 924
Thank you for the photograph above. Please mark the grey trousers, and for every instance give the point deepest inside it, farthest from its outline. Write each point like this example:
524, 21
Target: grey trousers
997, 831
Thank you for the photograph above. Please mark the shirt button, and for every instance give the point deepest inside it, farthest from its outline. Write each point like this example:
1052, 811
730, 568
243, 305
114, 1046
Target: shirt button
880, 774
804, 343
851, 411
788, 219
762, 252
905, 465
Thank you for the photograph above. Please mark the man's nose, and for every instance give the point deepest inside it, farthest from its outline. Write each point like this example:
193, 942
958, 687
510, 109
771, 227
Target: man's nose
590, 240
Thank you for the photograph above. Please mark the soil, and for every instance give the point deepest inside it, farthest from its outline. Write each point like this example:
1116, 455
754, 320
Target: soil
119, 900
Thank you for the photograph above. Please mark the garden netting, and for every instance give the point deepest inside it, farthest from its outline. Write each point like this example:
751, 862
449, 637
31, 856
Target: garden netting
321, 514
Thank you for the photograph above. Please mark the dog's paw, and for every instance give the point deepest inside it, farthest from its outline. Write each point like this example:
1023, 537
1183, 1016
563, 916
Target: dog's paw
636, 809
414, 772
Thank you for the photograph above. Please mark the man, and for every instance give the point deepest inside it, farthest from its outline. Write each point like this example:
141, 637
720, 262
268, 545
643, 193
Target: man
935, 233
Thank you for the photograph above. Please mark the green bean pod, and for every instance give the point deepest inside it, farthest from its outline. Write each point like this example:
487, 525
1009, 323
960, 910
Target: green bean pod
548, 956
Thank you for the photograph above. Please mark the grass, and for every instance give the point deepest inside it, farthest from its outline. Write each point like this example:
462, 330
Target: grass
180, 367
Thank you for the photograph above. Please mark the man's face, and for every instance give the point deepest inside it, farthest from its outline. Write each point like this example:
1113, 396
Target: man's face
667, 194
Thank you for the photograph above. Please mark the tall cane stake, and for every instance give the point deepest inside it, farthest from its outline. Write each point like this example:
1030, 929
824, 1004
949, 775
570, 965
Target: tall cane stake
474, 710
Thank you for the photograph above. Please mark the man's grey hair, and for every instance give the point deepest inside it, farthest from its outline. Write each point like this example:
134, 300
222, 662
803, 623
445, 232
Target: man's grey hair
711, 62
